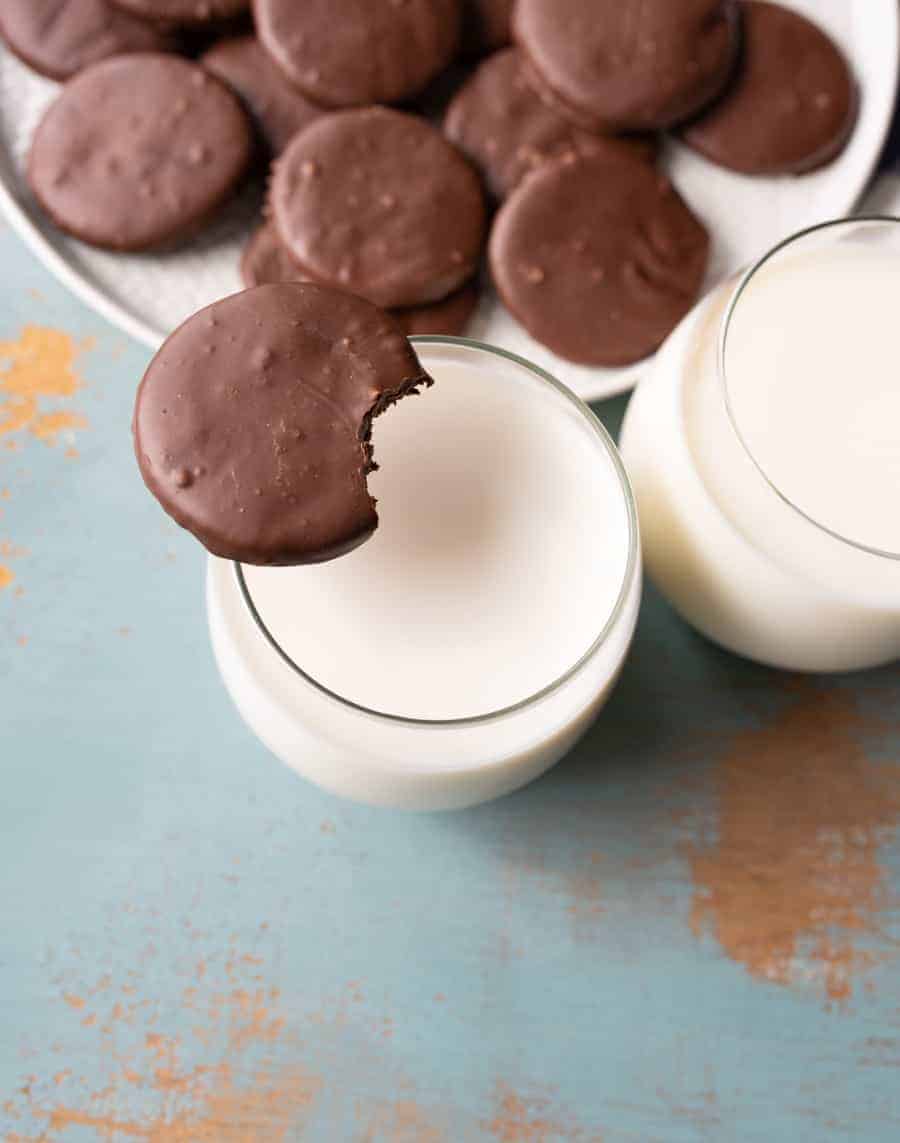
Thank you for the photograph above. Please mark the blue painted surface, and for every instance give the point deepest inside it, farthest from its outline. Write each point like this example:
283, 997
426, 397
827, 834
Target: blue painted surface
290, 967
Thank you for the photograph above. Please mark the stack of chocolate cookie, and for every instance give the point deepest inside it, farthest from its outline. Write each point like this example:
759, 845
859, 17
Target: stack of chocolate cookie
552, 114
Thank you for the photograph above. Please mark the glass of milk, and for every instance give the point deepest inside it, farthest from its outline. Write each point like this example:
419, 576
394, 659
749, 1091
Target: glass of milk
764, 451
464, 648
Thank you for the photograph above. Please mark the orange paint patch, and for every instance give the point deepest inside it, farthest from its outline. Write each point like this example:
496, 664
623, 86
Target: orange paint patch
48, 426
6, 577
235, 1096
39, 368
533, 1118
403, 1122
793, 885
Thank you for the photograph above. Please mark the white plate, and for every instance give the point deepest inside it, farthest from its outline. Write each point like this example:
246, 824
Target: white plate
148, 296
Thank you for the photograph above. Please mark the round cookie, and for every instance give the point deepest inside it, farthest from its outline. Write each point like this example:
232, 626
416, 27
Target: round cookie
139, 151
252, 423
508, 131
265, 261
598, 260
487, 26
278, 109
377, 202
446, 318
348, 53
184, 12
59, 38
630, 65
792, 105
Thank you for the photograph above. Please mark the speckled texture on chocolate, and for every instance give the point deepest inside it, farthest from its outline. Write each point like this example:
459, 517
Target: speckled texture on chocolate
59, 38
508, 131
377, 202
792, 105
630, 65
278, 109
139, 151
598, 260
252, 423
186, 12
348, 53
266, 261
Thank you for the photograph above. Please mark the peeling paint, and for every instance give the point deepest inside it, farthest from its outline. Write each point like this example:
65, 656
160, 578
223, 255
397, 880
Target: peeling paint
792, 884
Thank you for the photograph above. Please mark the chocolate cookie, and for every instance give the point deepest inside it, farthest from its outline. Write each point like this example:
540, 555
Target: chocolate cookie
487, 25
59, 38
507, 130
377, 202
599, 260
630, 65
446, 318
139, 151
278, 109
346, 53
184, 12
265, 261
792, 105
253, 421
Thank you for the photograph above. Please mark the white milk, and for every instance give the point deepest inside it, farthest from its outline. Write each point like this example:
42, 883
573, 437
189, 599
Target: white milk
505, 557
756, 521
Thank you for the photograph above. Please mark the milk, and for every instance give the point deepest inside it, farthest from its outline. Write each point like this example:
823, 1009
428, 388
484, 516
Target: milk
504, 574
758, 512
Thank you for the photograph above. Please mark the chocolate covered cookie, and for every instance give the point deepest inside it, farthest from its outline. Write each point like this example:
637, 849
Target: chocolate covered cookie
447, 318
629, 65
139, 151
792, 105
487, 26
347, 53
59, 38
278, 109
599, 260
253, 421
266, 261
508, 131
377, 202
188, 13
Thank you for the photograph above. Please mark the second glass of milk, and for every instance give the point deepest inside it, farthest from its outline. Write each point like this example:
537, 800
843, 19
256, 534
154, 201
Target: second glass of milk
764, 451
464, 648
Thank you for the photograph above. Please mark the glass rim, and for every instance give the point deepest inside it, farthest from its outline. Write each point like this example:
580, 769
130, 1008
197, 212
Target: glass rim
725, 326
605, 442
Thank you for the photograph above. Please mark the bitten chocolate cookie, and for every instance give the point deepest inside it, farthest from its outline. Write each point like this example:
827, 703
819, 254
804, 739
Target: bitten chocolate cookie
630, 65
185, 12
266, 261
252, 423
377, 202
598, 260
792, 105
139, 151
59, 38
487, 25
508, 131
347, 53
278, 109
